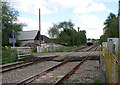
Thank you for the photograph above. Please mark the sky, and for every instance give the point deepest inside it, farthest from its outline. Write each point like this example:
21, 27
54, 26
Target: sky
89, 15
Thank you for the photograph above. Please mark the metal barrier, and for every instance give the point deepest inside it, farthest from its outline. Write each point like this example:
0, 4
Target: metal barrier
22, 51
111, 64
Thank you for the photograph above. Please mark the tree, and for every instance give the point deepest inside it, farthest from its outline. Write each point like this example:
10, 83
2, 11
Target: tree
53, 32
111, 27
9, 22
67, 35
66, 25
83, 37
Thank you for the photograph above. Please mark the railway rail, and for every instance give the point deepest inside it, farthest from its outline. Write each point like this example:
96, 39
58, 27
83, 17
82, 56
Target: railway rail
16, 65
12, 66
59, 78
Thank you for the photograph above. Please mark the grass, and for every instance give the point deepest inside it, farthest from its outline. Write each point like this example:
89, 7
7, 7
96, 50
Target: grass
65, 48
26, 57
34, 50
96, 82
75, 80
10, 56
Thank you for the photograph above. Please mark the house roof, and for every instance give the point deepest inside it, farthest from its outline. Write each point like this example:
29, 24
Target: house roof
27, 35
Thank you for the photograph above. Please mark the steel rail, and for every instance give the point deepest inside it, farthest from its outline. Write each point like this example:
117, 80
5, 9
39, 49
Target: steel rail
90, 48
33, 77
60, 81
12, 66
15, 67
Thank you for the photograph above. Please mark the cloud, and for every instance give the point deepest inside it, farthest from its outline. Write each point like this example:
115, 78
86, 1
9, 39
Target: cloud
90, 21
91, 24
93, 7
32, 6
82, 10
34, 25
94, 33
106, 0
80, 6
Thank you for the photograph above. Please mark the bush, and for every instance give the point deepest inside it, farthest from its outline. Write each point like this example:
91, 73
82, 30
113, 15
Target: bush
8, 55
34, 50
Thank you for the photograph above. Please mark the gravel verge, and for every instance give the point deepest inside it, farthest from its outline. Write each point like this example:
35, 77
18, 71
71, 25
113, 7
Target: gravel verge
17, 75
89, 72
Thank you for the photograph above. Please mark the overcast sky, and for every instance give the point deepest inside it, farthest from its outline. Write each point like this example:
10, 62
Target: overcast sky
89, 15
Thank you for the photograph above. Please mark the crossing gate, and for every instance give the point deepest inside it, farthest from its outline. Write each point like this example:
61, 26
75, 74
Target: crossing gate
22, 51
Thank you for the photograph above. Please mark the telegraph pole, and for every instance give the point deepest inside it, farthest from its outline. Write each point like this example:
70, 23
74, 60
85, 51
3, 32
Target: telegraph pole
119, 41
39, 27
13, 38
78, 37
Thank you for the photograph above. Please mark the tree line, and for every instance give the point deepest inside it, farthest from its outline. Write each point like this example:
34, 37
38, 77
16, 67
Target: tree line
65, 34
9, 23
111, 28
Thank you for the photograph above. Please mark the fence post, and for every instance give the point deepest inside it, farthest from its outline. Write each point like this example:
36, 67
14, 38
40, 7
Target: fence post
114, 71
109, 67
106, 64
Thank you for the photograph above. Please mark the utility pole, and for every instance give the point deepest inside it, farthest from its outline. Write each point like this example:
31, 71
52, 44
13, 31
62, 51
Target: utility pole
78, 37
119, 41
13, 38
39, 27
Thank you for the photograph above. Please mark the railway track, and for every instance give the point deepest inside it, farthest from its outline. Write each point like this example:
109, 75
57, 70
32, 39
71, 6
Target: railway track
16, 65
12, 66
68, 70
56, 74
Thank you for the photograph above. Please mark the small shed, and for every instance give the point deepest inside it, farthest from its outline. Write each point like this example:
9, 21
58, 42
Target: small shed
28, 37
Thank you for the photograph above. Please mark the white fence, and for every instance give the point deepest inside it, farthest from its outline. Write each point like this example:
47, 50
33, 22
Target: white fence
22, 51
48, 48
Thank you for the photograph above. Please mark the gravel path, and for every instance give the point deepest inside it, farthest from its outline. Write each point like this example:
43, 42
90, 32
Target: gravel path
89, 72
17, 75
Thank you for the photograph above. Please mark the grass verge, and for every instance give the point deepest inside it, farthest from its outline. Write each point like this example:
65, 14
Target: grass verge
65, 48
10, 56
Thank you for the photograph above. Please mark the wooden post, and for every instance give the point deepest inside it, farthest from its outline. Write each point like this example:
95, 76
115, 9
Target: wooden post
109, 67
106, 60
114, 71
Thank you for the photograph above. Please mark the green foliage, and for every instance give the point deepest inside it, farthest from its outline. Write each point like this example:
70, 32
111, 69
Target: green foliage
65, 25
34, 50
111, 27
8, 55
53, 32
82, 37
68, 35
96, 82
65, 48
9, 19
27, 57
54, 40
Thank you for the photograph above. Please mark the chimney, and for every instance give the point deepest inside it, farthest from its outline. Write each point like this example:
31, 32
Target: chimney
39, 26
